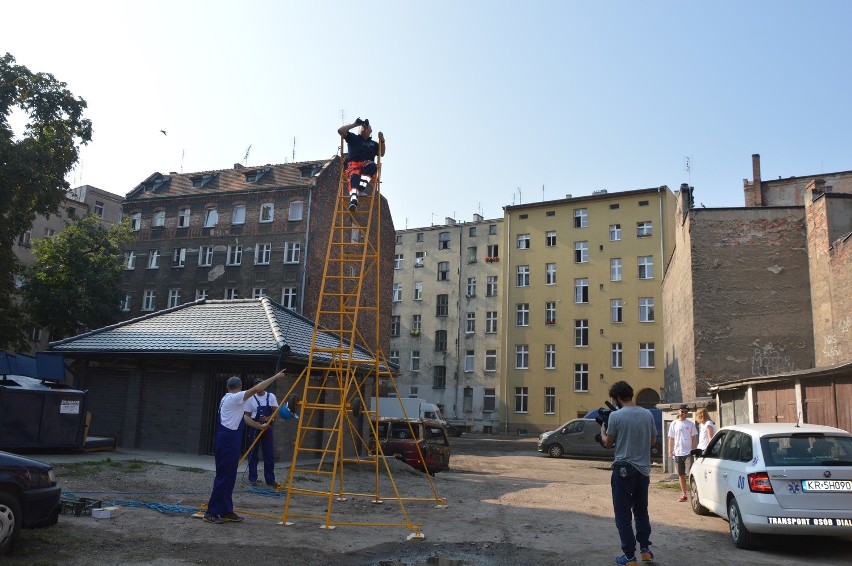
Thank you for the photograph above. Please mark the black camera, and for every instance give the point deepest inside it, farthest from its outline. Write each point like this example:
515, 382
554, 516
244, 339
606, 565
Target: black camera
603, 419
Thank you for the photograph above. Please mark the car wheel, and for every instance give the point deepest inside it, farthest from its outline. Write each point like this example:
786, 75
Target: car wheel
739, 533
10, 522
555, 451
697, 507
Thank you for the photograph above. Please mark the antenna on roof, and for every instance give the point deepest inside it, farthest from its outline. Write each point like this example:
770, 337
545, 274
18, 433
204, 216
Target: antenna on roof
182, 155
294, 149
688, 167
245, 159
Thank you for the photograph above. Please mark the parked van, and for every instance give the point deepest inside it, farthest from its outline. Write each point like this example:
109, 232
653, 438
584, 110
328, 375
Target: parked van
400, 438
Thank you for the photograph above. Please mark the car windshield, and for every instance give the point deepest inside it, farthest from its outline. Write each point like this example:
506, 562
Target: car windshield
807, 449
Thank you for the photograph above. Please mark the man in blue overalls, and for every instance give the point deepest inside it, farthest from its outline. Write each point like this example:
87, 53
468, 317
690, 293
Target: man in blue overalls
260, 408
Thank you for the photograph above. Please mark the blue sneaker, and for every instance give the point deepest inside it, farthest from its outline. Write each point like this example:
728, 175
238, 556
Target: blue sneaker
625, 560
646, 554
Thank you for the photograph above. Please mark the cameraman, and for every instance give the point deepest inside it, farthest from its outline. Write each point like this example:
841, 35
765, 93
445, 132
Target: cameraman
632, 431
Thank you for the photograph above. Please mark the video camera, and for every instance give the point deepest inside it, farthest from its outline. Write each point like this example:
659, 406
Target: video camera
603, 419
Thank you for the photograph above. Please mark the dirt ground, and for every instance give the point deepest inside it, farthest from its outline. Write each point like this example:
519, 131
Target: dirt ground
506, 504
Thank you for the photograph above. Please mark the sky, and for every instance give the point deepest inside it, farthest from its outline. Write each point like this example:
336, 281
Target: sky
483, 104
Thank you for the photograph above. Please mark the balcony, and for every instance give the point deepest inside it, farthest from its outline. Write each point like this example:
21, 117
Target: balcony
492, 259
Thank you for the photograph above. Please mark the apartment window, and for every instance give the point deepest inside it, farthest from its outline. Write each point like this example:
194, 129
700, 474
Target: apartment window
550, 356
467, 403
231, 293
267, 212
643, 229
491, 286
523, 241
549, 400
521, 395
288, 298
258, 292
523, 314
523, 275
522, 356
35, 335
443, 271
179, 257
581, 290
296, 210
136, 221
471, 254
418, 237
49, 232
174, 298
490, 360
398, 240
614, 232
394, 325
615, 269
415, 323
468, 360
444, 241
26, 238
205, 256
183, 218
393, 357
439, 377
211, 217
418, 290
646, 309
471, 287
617, 361
492, 229
125, 303
149, 300
292, 252
418, 258
238, 214
470, 323
442, 305
472, 231
550, 274
397, 292
413, 393
646, 267
491, 322
153, 259
235, 254
99, 209
159, 219
646, 354
493, 250
262, 254
581, 333
129, 260
550, 312
440, 340
550, 238
581, 377
201, 294
581, 252
581, 218
615, 310
397, 261
415, 360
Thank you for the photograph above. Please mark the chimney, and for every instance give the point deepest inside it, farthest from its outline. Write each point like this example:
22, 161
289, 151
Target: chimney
755, 170
449, 221
477, 217
238, 166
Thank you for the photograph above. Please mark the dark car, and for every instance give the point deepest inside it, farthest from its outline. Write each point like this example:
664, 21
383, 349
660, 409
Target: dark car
408, 440
29, 497
574, 438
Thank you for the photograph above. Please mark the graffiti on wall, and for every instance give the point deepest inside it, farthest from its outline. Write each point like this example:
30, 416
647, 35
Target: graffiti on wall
770, 360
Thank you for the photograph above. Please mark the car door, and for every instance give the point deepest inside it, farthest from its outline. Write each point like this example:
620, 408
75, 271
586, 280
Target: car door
706, 472
437, 448
572, 437
732, 475
591, 445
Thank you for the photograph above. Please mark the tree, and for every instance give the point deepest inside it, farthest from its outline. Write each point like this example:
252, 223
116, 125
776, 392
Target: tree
73, 285
33, 167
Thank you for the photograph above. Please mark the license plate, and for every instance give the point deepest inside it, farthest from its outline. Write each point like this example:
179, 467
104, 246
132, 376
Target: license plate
828, 486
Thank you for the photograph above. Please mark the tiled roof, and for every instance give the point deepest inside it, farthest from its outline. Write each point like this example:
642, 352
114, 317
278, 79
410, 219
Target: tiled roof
237, 327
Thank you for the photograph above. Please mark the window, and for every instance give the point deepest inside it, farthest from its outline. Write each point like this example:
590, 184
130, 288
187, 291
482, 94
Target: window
183, 218
418, 237
468, 399
288, 298
418, 259
581, 290
646, 354
136, 221
471, 287
211, 217
581, 218
471, 232
491, 286
523, 314
397, 261
267, 212
35, 335
471, 254
258, 292
179, 257
443, 271
615, 308
398, 240
470, 323
490, 360
26, 238
292, 252
442, 305
581, 252
549, 400
615, 269
646, 309
440, 340
491, 322
159, 219
129, 260
393, 357
413, 393
493, 251
415, 323
468, 361
205, 256
581, 333
153, 259
125, 303
262, 254
174, 298
581, 377
523, 276
522, 356
238, 214
49, 232
550, 312
617, 361
646, 267
394, 325
72, 212
521, 399
397, 292
492, 229
444, 241
439, 377
415, 360
550, 239
231, 293
235, 254
550, 356
643, 203
614, 232
99, 209
550, 274
201, 294
523, 241
643, 229
149, 300
295, 212
418, 290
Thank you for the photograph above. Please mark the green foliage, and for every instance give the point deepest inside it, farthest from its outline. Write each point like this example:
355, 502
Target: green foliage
33, 167
73, 285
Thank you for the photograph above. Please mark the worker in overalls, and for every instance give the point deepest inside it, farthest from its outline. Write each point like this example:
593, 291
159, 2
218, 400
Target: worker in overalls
361, 160
260, 409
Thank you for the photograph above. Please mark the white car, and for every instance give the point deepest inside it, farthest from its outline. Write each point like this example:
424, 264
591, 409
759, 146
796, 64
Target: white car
776, 478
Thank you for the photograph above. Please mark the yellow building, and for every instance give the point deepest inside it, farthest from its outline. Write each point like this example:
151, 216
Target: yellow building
583, 280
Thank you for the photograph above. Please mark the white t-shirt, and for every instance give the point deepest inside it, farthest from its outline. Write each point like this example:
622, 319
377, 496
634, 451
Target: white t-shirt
682, 432
231, 410
259, 400
702, 433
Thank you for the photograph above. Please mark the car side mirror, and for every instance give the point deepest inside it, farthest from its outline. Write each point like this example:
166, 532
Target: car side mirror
696, 452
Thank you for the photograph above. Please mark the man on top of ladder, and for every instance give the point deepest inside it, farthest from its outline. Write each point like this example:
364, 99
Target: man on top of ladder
360, 164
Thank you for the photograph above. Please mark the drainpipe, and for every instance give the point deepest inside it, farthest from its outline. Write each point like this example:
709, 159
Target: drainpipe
505, 319
458, 380
307, 245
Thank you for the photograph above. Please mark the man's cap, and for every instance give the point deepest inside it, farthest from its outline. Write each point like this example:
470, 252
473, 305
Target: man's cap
684, 406
234, 382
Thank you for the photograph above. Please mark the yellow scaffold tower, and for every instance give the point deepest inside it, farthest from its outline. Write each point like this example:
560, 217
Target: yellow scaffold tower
340, 379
